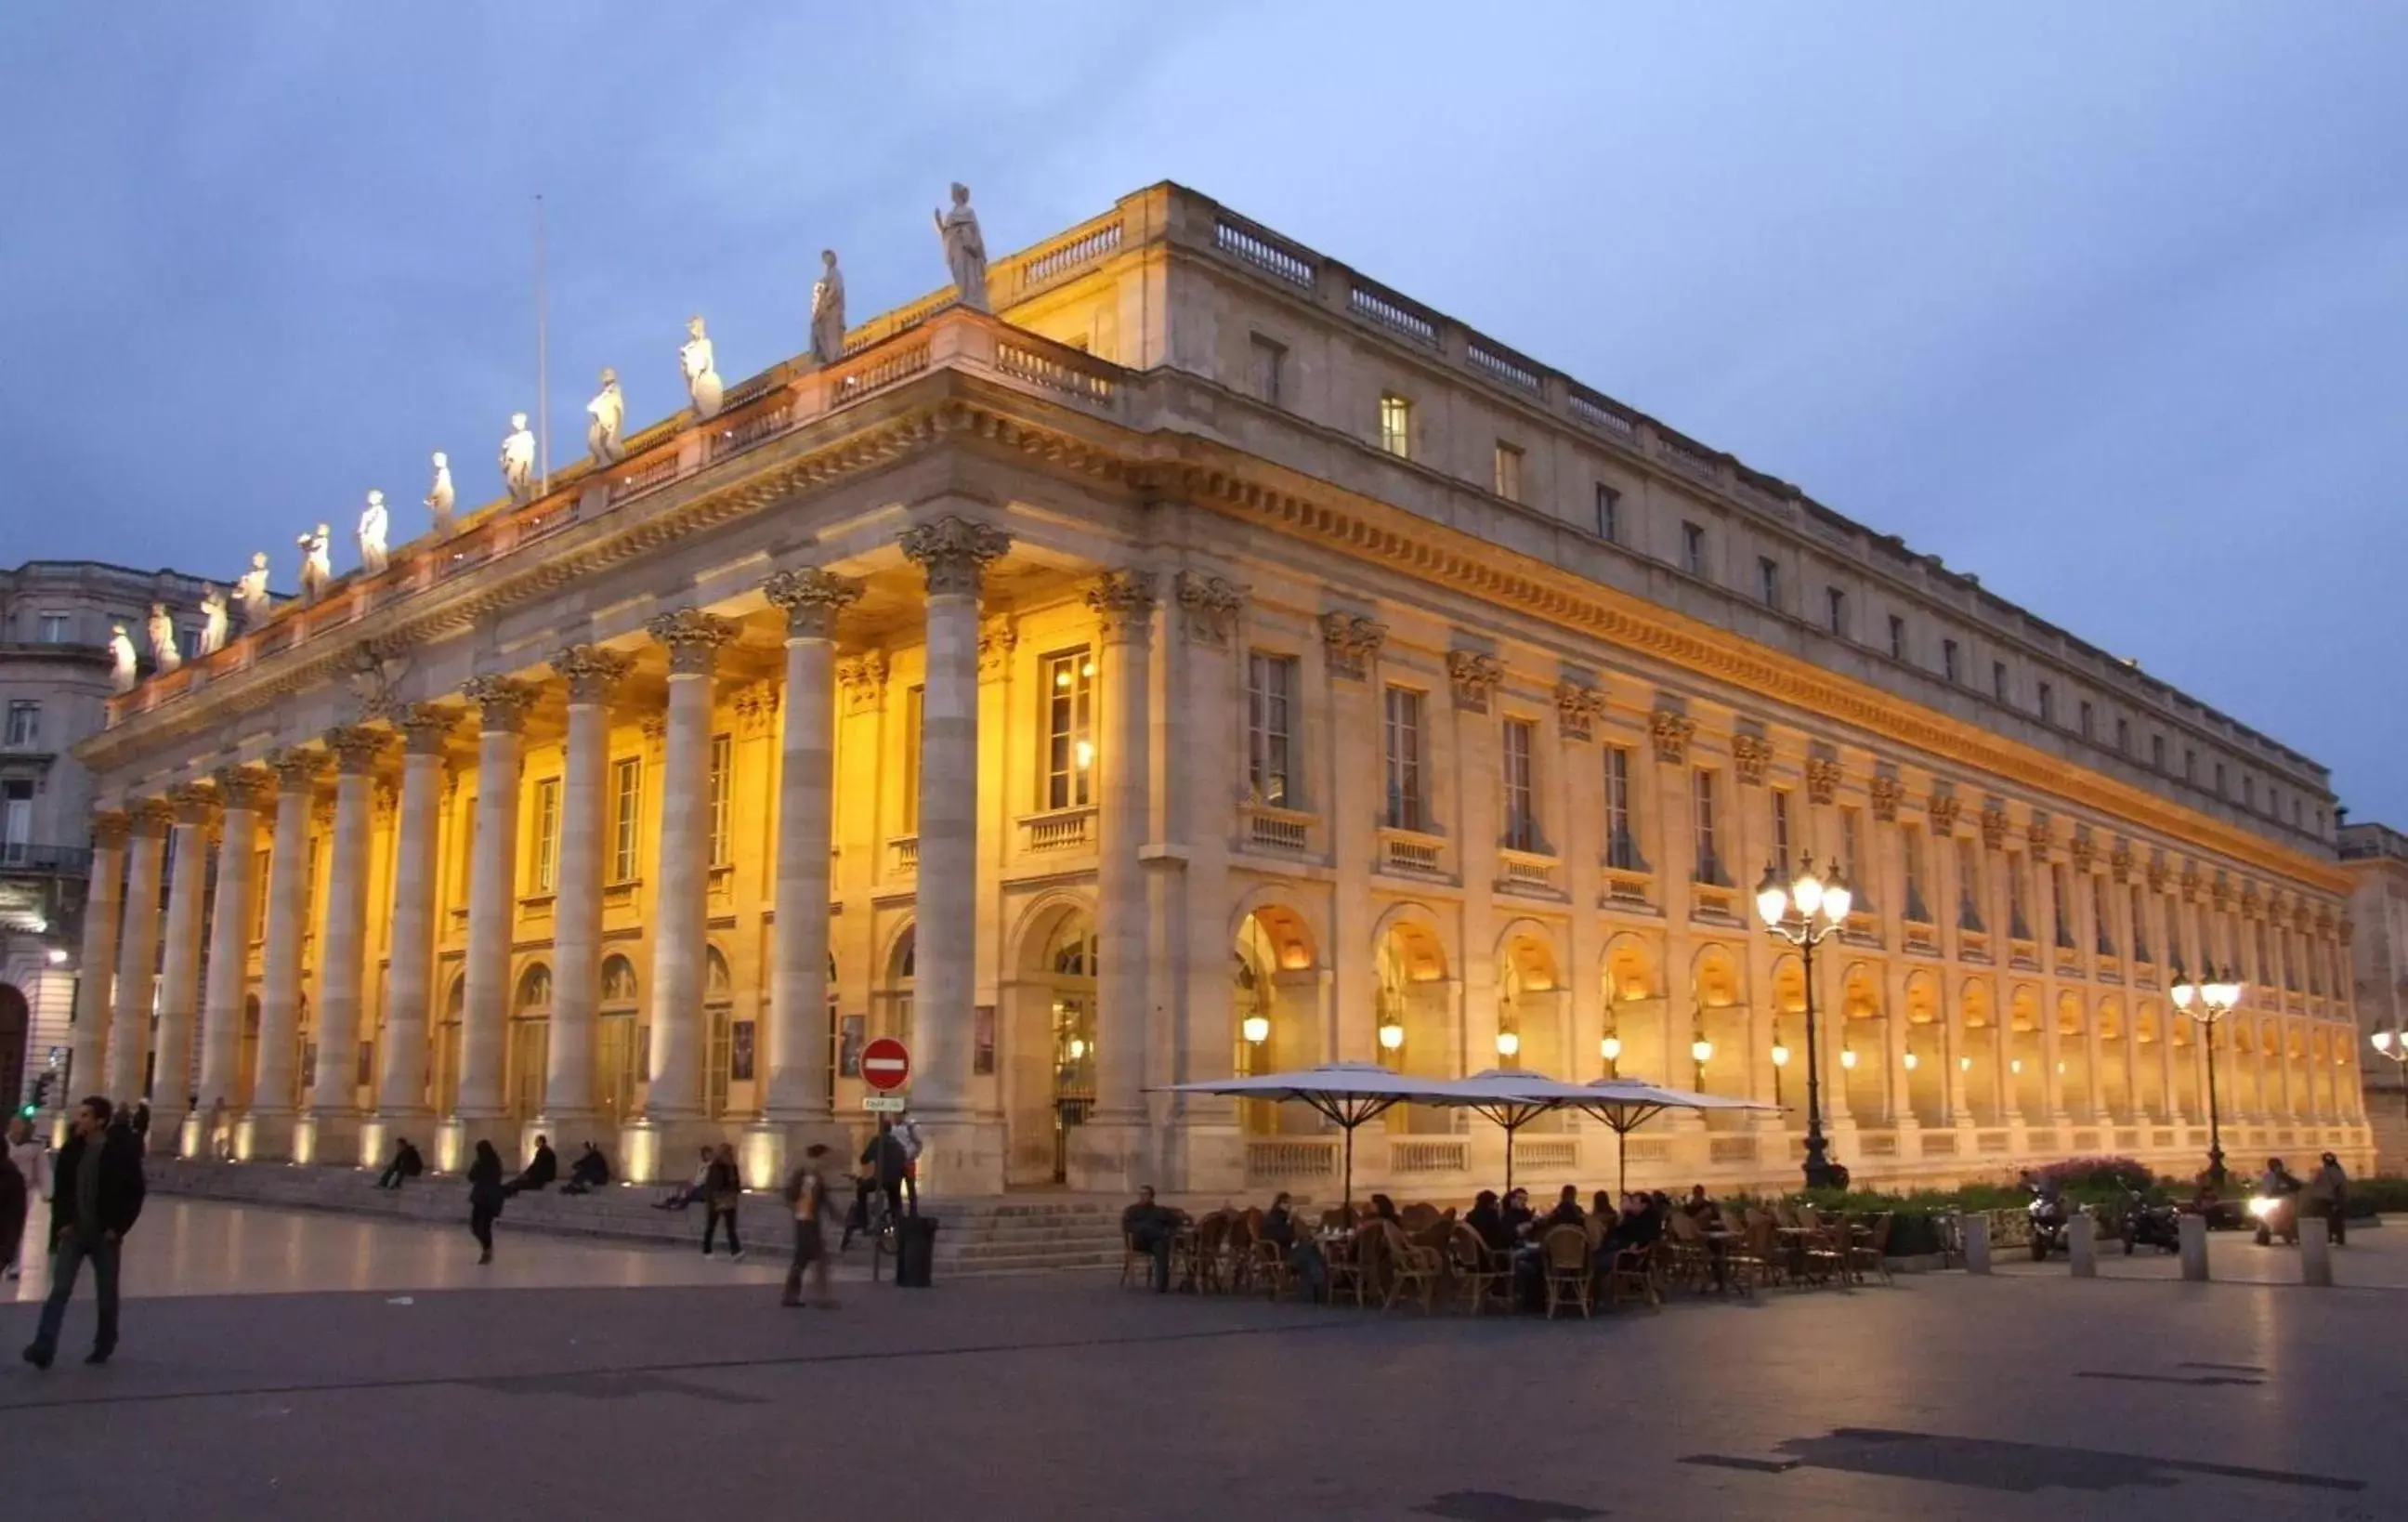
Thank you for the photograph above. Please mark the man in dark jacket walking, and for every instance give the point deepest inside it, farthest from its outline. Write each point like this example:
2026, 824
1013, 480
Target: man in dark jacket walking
98, 1194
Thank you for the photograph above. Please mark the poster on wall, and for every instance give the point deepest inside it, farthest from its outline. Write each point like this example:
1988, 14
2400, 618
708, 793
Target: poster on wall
739, 1053
848, 1052
982, 1041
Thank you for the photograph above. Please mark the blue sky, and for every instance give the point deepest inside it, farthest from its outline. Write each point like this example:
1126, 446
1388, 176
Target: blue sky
2107, 304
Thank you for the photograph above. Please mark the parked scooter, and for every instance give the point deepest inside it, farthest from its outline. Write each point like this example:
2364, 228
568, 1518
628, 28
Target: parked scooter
2150, 1226
2275, 1204
2050, 1220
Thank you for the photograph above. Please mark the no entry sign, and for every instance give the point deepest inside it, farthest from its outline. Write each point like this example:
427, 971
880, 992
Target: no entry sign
885, 1064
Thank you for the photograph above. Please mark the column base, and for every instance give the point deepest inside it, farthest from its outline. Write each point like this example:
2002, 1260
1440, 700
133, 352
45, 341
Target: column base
656, 1149
189, 1142
264, 1137
1206, 1158
963, 1157
333, 1139
773, 1146
381, 1132
1111, 1156
456, 1138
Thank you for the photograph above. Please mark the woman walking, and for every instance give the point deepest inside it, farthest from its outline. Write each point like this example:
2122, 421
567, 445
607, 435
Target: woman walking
485, 1197
722, 1186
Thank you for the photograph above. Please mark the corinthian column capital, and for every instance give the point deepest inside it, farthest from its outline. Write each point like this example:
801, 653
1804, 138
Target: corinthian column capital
954, 552
1122, 602
591, 671
192, 803
109, 827
296, 769
693, 639
501, 702
424, 728
355, 748
812, 600
241, 787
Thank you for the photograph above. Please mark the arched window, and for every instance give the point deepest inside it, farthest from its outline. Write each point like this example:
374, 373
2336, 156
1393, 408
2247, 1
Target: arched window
529, 1055
731, 1050
619, 984
616, 1064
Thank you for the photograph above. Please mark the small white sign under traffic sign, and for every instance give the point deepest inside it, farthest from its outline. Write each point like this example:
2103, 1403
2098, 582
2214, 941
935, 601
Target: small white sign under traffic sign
884, 1103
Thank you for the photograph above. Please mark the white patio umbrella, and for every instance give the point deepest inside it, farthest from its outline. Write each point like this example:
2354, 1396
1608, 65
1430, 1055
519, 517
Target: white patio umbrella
1512, 1098
1347, 1092
1626, 1103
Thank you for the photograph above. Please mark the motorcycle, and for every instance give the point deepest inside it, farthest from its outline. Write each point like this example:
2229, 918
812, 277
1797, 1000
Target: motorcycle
2050, 1220
2150, 1226
2277, 1215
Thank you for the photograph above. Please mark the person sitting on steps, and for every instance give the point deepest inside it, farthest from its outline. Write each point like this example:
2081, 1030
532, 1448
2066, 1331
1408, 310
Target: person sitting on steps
405, 1165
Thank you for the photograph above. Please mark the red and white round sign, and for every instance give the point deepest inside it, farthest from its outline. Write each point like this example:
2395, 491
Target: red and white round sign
885, 1064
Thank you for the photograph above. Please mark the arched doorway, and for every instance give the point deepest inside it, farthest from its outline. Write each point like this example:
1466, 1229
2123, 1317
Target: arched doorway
1531, 1015
1863, 1056
530, 1043
248, 1069
1069, 974
1413, 1008
616, 1064
1717, 1028
720, 1066
1633, 1043
446, 1077
2025, 1079
1986, 1094
2077, 1086
16, 1025
1274, 1013
2149, 1098
1926, 1056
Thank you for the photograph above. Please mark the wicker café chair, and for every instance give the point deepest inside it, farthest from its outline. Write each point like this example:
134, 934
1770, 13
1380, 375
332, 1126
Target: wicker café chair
1196, 1258
1565, 1250
1633, 1276
1418, 1217
1756, 1258
1238, 1252
1870, 1253
1413, 1270
1267, 1268
1826, 1245
1687, 1264
1484, 1276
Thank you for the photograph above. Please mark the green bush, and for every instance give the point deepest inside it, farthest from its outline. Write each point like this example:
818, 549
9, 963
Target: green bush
2378, 1196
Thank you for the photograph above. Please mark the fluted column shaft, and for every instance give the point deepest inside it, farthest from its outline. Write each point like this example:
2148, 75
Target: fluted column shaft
229, 973
180, 973
798, 1036
98, 967
1124, 604
279, 977
576, 906
137, 952
401, 1078
493, 894
334, 1094
680, 907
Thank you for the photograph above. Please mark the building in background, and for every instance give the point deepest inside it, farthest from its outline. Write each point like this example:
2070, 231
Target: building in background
2376, 858
1209, 658
55, 676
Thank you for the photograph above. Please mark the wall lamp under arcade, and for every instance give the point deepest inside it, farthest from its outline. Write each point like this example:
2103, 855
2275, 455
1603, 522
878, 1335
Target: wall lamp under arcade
1257, 1028
1392, 1036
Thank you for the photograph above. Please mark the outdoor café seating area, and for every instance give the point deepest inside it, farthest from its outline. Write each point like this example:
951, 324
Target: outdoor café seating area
1383, 1257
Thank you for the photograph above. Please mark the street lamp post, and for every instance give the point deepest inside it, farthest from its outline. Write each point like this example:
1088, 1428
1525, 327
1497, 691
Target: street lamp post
2208, 1000
2394, 1044
1803, 912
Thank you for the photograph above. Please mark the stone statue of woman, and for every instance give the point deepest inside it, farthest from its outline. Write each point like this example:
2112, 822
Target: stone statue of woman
250, 592
373, 526
827, 310
964, 248
163, 653
214, 619
609, 413
440, 497
702, 382
518, 459
317, 563
120, 654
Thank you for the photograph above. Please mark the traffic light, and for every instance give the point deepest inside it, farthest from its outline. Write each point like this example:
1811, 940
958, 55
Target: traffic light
41, 1096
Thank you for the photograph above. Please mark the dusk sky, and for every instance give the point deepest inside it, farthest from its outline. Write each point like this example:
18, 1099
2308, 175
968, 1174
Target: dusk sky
2108, 305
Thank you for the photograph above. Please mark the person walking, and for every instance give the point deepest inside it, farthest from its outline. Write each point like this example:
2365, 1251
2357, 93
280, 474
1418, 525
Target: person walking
99, 1190
722, 1190
806, 1196
485, 1194
2327, 1195
31, 1152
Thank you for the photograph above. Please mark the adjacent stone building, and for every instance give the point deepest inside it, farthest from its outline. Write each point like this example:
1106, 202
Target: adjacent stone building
1214, 659
2376, 858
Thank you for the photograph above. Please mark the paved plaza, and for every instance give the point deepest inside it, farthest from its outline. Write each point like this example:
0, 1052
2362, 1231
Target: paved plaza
290, 1365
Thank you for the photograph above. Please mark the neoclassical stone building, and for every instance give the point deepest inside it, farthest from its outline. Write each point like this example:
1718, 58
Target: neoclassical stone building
1213, 659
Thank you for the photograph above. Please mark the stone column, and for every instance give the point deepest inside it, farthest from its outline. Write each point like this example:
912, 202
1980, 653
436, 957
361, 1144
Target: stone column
681, 907
968, 1156
137, 952
568, 1096
812, 600
267, 1129
1202, 772
493, 905
1115, 1145
331, 1129
402, 1060
1353, 790
180, 973
97, 969
240, 792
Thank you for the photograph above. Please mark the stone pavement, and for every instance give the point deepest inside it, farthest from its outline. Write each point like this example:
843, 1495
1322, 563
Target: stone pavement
2023, 1396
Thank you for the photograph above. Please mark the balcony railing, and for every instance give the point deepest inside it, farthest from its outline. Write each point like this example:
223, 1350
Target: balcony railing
1270, 1159
52, 860
1528, 871
1284, 830
1063, 829
1413, 853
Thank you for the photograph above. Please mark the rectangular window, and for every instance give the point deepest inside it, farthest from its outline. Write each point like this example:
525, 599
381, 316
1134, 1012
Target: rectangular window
2190, 765
2140, 925
2099, 927
1948, 665
626, 816
1395, 425
1268, 360
58, 628
2219, 779
2173, 929
1768, 580
1852, 856
1401, 744
2249, 793
1896, 638
722, 796
259, 896
189, 641
1969, 883
1270, 697
1608, 513
2060, 889
2158, 753
2018, 901
1835, 610
1781, 829
1999, 681
915, 700
547, 835
1069, 729
25, 721
2047, 703
1507, 479
1710, 861
1692, 549
2122, 735
1521, 787
17, 819
2083, 718
1621, 839
1911, 840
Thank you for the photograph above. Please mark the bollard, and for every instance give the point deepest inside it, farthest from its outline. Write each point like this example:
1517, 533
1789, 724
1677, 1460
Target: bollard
2081, 1245
2193, 1230
1977, 1244
2316, 1253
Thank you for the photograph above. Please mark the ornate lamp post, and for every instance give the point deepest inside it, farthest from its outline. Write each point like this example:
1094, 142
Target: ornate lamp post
1801, 914
2394, 1044
2208, 1000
